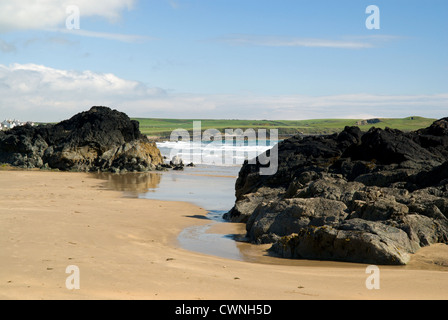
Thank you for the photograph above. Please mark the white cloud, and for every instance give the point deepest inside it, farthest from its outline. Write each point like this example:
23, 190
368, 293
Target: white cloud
347, 42
37, 15
36, 77
39, 93
52, 16
105, 35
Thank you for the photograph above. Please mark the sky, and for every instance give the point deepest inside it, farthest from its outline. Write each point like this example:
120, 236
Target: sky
224, 59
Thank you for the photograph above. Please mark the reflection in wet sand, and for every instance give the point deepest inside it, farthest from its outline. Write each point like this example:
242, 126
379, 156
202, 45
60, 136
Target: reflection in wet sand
132, 184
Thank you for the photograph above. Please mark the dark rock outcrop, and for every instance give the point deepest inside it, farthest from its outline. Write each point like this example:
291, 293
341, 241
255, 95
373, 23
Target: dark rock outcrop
100, 139
370, 197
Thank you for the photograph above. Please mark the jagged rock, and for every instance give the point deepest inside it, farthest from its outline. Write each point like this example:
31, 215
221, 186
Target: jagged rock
244, 208
371, 197
100, 139
280, 218
354, 240
177, 163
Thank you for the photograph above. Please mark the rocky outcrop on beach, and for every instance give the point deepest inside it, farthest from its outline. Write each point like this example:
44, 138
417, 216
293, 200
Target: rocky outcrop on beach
100, 139
369, 197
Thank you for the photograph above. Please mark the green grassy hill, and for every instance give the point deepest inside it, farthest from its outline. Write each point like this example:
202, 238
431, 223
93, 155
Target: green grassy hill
163, 127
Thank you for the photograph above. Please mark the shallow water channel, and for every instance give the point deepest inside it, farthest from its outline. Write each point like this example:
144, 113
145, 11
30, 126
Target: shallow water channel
209, 187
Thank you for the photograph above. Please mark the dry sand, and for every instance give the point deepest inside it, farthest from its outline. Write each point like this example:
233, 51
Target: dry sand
127, 249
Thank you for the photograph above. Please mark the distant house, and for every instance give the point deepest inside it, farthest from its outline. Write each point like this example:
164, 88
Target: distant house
9, 124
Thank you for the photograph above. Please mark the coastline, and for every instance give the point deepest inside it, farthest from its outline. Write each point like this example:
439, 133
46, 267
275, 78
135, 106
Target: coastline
127, 248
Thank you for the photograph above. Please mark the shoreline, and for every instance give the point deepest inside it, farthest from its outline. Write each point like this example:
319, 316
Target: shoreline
127, 248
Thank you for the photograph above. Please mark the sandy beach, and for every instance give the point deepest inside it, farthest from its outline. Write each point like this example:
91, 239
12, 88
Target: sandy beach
128, 248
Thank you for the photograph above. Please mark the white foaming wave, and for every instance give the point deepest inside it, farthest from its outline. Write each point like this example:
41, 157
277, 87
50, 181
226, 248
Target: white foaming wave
213, 153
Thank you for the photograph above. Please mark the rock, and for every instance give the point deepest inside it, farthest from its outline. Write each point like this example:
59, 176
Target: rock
387, 146
245, 207
100, 139
176, 161
379, 210
354, 240
329, 187
385, 178
371, 197
278, 219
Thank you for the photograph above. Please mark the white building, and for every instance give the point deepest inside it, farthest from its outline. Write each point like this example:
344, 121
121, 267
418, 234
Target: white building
9, 124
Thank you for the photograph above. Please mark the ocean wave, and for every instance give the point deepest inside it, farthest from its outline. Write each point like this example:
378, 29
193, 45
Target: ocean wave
216, 152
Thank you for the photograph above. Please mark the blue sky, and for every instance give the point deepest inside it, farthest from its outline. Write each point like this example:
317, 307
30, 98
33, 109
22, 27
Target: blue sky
234, 59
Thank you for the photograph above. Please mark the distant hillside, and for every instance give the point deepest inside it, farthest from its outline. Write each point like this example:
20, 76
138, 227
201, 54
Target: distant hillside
162, 128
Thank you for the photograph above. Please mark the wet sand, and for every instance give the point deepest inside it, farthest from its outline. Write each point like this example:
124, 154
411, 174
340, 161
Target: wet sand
128, 248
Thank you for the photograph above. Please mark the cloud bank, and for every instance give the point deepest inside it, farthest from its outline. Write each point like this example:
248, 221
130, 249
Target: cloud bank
40, 93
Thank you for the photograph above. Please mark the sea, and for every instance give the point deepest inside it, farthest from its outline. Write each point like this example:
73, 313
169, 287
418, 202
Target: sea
215, 153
